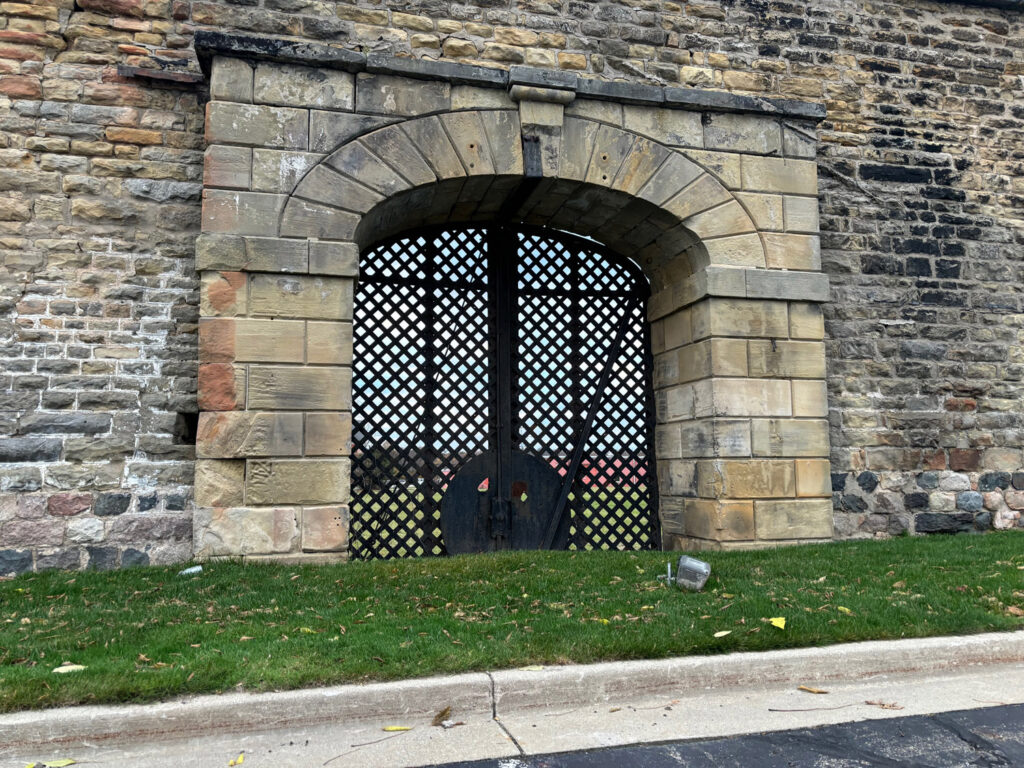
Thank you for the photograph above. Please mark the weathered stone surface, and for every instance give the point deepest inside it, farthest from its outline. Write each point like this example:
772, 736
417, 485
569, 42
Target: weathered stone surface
293, 388
317, 298
257, 126
228, 167
231, 79
793, 519
328, 434
110, 504
64, 423
219, 483
245, 531
16, 449
789, 437
292, 86
742, 133
236, 434
328, 343
929, 522
307, 481
278, 171
15, 561
388, 95
86, 530
325, 529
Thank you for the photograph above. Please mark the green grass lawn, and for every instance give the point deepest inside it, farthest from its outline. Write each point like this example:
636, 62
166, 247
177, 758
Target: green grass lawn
146, 633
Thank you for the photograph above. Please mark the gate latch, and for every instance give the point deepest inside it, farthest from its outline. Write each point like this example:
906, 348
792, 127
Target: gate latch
500, 522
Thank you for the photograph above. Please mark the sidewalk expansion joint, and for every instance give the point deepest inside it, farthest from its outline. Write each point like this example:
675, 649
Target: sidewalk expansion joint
494, 699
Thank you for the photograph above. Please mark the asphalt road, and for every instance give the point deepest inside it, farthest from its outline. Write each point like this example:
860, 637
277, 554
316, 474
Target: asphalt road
980, 737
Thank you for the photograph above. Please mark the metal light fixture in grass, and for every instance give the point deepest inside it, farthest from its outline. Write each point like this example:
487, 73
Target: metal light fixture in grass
691, 573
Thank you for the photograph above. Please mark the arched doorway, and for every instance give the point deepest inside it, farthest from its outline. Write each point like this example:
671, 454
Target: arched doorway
502, 395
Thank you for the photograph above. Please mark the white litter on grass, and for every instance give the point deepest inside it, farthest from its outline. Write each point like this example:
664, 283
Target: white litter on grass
191, 571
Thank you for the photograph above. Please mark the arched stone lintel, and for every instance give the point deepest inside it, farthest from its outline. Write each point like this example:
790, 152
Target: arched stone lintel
334, 196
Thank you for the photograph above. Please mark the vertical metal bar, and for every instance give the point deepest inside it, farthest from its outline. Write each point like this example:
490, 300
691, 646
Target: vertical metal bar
502, 246
653, 490
425, 486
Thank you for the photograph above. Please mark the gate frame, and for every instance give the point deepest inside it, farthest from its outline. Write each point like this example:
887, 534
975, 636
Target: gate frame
308, 164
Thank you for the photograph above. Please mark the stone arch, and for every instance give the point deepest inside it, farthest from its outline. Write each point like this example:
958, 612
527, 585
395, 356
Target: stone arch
417, 165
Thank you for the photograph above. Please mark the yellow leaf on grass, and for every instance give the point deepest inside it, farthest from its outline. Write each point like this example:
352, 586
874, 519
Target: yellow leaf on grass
843, 609
307, 631
723, 633
390, 728
778, 621
68, 667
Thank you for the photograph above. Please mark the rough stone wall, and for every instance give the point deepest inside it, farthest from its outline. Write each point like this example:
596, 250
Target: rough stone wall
922, 198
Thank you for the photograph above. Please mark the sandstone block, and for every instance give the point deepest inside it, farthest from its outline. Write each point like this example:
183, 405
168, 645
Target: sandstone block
241, 213
728, 357
736, 251
398, 151
800, 143
231, 80
433, 142
237, 434
790, 359
719, 520
786, 251
221, 387
677, 329
813, 477
742, 133
390, 95
329, 130
295, 86
472, 97
801, 214
341, 259
782, 285
227, 167
794, 519
789, 437
666, 441
739, 317
240, 531
810, 399
325, 529
328, 343
304, 219
299, 389
219, 483
317, 298
806, 321
223, 294
730, 218
257, 126
710, 438
746, 397
745, 479
305, 481
724, 166
278, 171
328, 434
325, 185
674, 127
766, 211
772, 174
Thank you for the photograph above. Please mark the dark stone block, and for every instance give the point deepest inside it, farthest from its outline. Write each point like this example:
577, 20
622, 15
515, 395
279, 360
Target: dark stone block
896, 173
929, 481
854, 504
969, 501
937, 522
964, 459
60, 559
983, 521
132, 557
15, 561
102, 558
16, 449
839, 481
109, 504
175, 502
453, 72
916, 500
991, 481
147, 503
918, 266
868, 481
1017, 480
64, 423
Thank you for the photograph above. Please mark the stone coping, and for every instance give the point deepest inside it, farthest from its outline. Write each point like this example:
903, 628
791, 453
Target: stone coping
209, 43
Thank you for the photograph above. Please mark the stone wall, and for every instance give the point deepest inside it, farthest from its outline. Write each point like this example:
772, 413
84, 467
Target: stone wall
101, 113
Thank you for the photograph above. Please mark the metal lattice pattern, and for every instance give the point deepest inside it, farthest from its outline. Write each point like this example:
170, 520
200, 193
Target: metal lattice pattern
425, 389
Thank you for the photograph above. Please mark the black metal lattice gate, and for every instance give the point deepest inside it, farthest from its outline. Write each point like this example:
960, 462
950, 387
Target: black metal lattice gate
501, 396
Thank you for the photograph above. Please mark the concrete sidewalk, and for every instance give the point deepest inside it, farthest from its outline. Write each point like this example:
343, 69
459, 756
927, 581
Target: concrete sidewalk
533, 711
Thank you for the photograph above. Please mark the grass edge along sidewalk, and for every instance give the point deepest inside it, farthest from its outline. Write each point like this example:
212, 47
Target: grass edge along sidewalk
146, 634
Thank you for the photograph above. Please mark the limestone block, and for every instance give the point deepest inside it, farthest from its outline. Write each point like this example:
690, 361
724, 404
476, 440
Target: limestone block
719, 520
356, 161
794, 519
250, 254
295, 86
325, 529
745, 479
227, 167
470, 142
341, 259
590, 109
800, 142
611, 147
317, 298
237, 531
798, 286
666, 441
791, 359
430, 138
541, 113
736, 251
746, 397
223, 294
390, 95
728, 357
677, 477
279, 171
257, 126
221, 387
503, 132
773, 174
328, 343
813, 477
329, 130
785, 251
397, 150
742, 133
675, 403
724, 166
305, 219
672, 182
241, 213
301, 481
577, 145
636, 170
674, 127
789, 437
730, 218
739, 317
677, 329
293, 388
328, 434
766, 211
801, 214
806, 321
325, 185
231, 80
704, 193
473, 97
237, 434
710, 438
219, 483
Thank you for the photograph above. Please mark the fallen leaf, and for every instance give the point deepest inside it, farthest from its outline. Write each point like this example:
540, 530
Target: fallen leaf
441, 716
238, 760
245, 639
844, 609
883, 705
615, 709
1013, 610
390, 728
899, 585
307, 631
778, 621
723, 633
67, 666
808, 689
